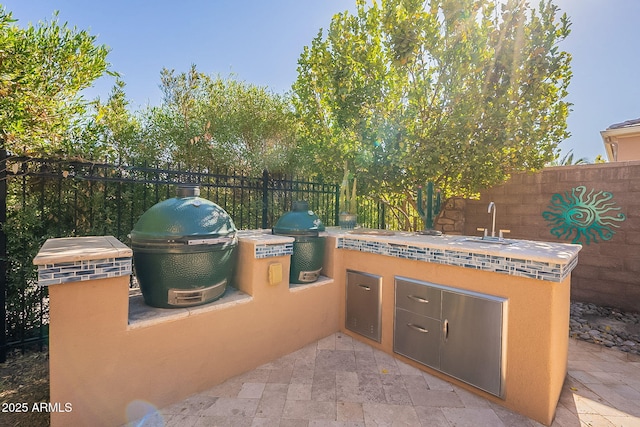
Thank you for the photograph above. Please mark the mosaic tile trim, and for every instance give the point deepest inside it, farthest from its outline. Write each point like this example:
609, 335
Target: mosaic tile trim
78, 271
267, 251
566, 269
505, 265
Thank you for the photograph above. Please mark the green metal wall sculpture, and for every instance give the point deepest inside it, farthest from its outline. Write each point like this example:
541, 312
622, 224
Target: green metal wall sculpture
589, 217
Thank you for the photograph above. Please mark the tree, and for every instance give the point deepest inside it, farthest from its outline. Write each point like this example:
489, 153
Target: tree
42, 71
109, 132
459, 92
214, 122
342, 94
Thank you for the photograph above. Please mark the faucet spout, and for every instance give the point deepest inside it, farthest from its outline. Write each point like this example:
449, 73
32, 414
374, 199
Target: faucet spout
493, 221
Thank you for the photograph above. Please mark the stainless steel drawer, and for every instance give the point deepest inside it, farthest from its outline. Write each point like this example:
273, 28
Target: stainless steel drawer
418, 298
417, 337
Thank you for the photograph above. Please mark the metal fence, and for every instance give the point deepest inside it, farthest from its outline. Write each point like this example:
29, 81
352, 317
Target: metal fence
43, 198
394, 214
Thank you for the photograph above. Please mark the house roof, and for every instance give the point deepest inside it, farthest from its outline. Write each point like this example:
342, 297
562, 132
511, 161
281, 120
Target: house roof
611, 134
625, 124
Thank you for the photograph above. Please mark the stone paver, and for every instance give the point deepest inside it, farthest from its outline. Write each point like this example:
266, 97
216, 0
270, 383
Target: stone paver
339, 381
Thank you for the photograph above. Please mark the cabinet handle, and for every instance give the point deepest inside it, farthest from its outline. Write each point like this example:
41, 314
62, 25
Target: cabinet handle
365, 287
445, 329
417, 328
418, 299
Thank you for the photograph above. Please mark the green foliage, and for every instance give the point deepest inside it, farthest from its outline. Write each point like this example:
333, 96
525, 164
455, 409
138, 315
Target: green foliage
568, 160
214, 122
110, 132
461, 93
25, 235
42, 71
341, 95
203, 122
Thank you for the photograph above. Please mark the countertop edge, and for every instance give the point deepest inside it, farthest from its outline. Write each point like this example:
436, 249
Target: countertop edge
72, 249
263, 237
539, 251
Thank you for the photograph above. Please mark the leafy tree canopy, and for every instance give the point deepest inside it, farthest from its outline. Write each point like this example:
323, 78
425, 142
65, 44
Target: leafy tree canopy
215, 122
42, 71
202, 122
459, 92
109, 131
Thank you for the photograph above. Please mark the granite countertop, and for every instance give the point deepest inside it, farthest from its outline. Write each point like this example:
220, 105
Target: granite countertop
71, 249
263, 237
548, 252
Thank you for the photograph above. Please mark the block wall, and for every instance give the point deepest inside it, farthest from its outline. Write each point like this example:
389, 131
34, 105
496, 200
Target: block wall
608, 271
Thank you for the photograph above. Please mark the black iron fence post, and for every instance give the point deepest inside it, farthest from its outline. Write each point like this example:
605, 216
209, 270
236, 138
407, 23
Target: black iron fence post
3, 252
337, 218
265, 198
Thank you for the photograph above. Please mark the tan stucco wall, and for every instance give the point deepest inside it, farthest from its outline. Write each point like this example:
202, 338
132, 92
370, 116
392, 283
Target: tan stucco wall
101, 365
537, 325
628, 148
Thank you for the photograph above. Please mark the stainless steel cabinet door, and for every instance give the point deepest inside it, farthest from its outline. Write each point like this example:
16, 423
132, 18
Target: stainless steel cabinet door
472, 340
363, 310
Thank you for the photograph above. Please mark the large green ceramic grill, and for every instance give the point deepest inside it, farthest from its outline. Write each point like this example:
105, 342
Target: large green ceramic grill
184, 250
308, 247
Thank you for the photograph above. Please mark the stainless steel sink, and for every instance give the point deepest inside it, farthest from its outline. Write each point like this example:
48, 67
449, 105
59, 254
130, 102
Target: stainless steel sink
489, 240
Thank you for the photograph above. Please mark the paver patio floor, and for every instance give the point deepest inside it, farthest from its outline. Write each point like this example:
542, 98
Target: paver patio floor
339, 381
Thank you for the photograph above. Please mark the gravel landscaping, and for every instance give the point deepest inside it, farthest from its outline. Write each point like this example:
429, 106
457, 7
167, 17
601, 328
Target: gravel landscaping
606, 326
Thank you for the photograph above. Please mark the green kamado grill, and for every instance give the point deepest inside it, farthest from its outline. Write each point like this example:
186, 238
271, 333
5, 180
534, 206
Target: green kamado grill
308, 247
184, 251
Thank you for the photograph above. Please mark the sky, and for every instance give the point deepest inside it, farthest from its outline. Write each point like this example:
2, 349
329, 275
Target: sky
260, 41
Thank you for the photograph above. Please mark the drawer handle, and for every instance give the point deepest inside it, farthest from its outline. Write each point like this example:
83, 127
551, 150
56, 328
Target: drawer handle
418, 299
445, 329
417, 328
365, 287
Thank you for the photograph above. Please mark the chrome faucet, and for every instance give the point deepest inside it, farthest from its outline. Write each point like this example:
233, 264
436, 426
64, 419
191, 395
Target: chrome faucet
493, 223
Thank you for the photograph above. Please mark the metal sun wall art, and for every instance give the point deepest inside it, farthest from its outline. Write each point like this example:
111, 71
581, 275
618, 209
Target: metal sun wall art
585, 217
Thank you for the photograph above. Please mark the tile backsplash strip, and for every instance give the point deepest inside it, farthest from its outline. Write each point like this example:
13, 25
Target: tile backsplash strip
506, 265
77, 271
273, 250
